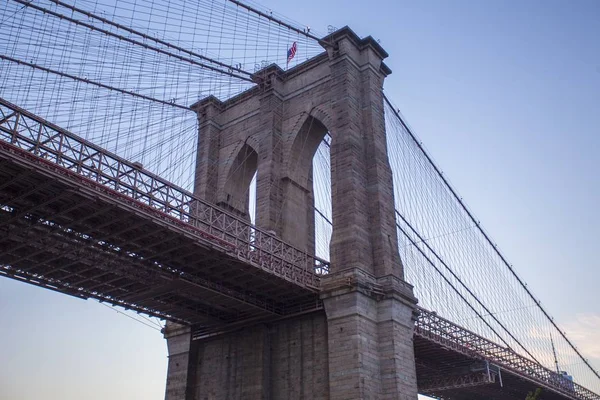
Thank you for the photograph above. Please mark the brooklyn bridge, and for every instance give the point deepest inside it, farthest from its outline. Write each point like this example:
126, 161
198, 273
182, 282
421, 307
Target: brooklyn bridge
304, 227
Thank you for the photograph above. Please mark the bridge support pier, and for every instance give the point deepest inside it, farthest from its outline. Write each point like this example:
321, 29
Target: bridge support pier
360, 348
181, 361
284, 359
370, 337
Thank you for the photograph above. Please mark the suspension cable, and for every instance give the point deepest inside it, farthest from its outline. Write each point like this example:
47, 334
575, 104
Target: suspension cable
280, 22
490, 313
88, 81
487, 238
154, 39
132, 41
452, 286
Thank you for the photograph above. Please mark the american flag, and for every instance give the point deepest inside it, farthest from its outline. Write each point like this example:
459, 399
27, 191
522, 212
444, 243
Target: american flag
292, 52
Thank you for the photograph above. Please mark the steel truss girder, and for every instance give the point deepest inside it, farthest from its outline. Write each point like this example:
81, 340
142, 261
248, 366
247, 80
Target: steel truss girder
37, 142
54, 228
61, 284
23, 277
432, 327
31, 209
215, 287
451, 382
212, 286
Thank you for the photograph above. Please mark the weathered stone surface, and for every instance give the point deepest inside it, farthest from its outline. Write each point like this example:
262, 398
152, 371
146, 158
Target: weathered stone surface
280, 360
180, 368
361, 347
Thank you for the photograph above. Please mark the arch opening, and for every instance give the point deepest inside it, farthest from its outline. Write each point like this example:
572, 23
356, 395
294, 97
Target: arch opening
307, 201
238, 189
322, 198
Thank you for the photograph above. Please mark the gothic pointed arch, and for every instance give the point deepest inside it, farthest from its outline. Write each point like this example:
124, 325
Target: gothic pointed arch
297, 182
303, 147
368, 308
234, 195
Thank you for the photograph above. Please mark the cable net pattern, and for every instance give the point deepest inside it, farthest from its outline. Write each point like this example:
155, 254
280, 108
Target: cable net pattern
456, 269
322, 194
123, 74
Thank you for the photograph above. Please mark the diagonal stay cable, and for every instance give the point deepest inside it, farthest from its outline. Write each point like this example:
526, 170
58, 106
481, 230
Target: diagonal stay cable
229, 68
323, 216
88, 81
487, 238
464, 285
131, 316
12, 15
133, 41
452, 286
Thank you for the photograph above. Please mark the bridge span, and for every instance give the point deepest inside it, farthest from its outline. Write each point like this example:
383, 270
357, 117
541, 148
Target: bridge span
79, 220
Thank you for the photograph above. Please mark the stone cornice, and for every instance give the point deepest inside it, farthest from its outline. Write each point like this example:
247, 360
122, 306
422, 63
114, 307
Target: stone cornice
263, 77
365, 43
355, 279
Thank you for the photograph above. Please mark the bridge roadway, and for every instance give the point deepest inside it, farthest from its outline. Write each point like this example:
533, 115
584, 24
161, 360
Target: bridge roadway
77, 219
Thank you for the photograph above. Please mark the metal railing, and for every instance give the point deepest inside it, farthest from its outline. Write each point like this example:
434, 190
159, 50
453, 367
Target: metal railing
432, 327
53, 148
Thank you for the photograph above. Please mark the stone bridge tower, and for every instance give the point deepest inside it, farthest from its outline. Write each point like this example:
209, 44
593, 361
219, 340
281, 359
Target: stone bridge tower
360, 346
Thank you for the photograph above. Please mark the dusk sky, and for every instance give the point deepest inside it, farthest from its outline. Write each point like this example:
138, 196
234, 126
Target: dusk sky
505, 96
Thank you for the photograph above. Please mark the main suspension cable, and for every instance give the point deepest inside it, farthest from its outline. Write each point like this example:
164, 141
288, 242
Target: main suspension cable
90, 82
486, 237
133, 41
280, 22
229, 68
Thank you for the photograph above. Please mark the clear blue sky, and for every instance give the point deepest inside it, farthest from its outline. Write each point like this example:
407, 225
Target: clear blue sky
506, 97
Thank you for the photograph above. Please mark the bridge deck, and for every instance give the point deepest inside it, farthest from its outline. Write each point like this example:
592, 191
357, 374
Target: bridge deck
449, 374
81, 220
77, 219
70, 237
455, 363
